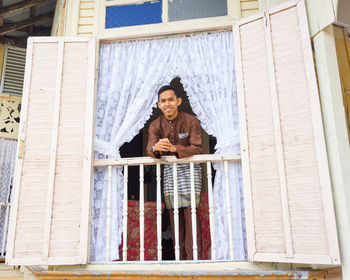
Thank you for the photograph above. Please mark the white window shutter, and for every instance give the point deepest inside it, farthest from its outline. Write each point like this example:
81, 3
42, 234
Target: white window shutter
50, 213
289, 205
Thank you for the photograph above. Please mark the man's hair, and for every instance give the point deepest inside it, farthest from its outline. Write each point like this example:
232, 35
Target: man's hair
167, 87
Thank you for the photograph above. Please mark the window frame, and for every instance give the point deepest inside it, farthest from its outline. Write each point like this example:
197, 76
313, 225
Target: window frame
165, 27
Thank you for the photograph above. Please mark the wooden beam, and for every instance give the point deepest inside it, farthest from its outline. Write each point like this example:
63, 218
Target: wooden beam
13, 41
14, 26
32, 14
20, 6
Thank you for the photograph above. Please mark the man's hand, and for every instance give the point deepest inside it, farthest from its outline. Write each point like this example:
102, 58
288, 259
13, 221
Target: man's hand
164, 145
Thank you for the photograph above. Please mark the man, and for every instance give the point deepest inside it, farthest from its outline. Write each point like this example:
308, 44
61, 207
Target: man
178, 133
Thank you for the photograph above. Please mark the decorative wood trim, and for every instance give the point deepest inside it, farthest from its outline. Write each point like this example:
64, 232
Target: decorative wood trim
19, 161
142, 214
159, 212
278, 139
176, 214
247, 185
193, 214
320, 145
53, 151
165, 160
125, 215
229, 211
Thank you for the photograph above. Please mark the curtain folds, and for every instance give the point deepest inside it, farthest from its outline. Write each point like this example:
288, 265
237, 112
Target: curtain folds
130, 74
7, 167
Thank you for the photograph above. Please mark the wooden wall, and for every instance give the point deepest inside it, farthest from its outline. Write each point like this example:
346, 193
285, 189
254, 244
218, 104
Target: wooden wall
86, 18
249, 7
342, 43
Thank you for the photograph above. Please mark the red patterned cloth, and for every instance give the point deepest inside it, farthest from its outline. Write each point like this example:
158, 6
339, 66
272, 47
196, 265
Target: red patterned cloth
151, 230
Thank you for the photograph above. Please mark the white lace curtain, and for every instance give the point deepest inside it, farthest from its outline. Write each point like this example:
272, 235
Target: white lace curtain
130, 74
7, 167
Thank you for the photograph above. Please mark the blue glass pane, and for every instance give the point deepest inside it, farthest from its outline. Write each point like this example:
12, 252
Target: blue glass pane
136, 14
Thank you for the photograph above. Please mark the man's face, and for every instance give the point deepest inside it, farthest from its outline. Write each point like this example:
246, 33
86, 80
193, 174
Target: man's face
168, 104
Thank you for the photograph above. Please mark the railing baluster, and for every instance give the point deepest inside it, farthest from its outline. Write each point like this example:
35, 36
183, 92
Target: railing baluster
4, 233
176, 214
211, 212
193, 212
229, 213
5, 228
159, 213
142, 214
108, 213
125, 215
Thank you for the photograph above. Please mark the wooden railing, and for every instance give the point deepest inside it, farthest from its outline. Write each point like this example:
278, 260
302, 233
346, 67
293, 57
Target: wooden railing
4, 206
141, 162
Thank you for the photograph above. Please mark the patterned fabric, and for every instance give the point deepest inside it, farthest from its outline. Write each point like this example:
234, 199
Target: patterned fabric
151, 230
133, 242
183, 184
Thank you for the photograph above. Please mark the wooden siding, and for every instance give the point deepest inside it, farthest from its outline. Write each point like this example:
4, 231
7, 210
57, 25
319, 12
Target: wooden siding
290, 215
342, 43
249, 7
49, 217
86, 17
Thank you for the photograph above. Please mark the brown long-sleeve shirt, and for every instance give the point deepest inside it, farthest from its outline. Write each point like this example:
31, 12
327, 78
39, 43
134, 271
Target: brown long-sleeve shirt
184, 132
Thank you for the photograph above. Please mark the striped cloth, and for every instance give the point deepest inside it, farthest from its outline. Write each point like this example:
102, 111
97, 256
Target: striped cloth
183, 184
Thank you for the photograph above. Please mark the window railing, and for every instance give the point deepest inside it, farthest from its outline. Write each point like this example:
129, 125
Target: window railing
141, 162
4, 214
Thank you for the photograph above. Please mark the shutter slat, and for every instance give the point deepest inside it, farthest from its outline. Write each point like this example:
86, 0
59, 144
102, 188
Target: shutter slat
284, 160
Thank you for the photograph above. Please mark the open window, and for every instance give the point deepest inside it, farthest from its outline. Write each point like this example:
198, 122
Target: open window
289, 209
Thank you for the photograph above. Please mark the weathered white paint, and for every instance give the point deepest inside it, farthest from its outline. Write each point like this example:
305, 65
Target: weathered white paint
193, 213
176, 214
125, 215
159, 212
336, 136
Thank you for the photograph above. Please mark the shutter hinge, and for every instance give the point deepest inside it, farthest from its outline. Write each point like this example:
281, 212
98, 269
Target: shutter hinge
20, 152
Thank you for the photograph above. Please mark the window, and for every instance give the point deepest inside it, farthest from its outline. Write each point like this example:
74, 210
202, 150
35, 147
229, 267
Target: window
289, 180
13, 70
131, 13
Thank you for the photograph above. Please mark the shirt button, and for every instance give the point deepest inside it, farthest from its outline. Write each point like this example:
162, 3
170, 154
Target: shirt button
172, 140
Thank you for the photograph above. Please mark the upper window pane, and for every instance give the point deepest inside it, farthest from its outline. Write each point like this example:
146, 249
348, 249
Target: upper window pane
135, 14
191, 9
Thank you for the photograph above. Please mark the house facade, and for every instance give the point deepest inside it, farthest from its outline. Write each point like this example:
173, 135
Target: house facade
308, 250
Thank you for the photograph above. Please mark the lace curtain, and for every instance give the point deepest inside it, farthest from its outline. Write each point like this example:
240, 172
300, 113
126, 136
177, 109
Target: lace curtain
7, 167
130, 74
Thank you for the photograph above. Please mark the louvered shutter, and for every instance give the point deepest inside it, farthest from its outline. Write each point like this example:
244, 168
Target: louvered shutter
50, 214
13, 74
289, 208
